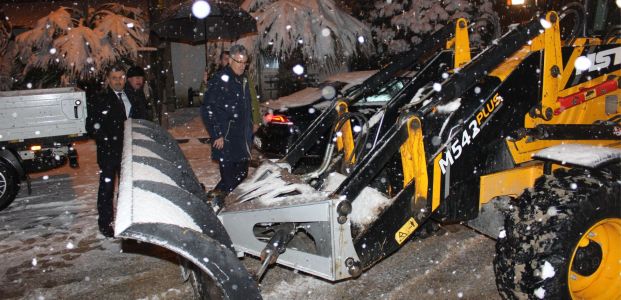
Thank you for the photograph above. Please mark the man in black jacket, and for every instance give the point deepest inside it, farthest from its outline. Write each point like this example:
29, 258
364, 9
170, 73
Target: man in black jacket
105, 122
227, 114
134, 89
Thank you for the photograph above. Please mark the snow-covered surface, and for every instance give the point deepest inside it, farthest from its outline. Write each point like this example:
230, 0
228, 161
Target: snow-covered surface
309, 95
352, 78
547, 271
420, 18
367, 206
579, 155
81, 48
325, 34
266, 187
148, 207
333, 181
141, 206
125, 195
449, 107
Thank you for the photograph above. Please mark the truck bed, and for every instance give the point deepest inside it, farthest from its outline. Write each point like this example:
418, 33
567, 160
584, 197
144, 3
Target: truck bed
42, 114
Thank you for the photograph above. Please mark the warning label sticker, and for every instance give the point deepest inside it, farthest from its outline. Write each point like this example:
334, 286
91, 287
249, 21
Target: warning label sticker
405, 231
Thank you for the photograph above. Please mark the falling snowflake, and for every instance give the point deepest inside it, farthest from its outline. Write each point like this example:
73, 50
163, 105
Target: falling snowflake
582, 63
328, 92
298, 69
201, 9
540, 293
225, 78
545, 24
437, 87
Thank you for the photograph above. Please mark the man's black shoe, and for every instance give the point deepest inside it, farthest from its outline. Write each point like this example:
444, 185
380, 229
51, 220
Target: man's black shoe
106, 231
216, 199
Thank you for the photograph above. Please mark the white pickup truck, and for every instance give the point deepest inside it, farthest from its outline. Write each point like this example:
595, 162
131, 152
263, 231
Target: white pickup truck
37, 129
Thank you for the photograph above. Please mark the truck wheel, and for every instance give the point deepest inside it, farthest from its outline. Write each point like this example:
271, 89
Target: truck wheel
562, 239
8, 185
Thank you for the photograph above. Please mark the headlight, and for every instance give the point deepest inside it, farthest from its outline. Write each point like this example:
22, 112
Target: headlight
516, 2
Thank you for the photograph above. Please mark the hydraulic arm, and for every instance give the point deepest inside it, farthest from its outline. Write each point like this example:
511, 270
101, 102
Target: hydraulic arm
413, 59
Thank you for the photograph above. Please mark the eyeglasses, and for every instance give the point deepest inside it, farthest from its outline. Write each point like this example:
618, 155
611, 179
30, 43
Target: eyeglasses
239, 62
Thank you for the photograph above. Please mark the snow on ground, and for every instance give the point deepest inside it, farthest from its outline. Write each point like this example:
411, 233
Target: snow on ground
50, 248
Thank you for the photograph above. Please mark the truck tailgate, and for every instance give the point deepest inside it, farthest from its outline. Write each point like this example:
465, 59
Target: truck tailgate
43, 113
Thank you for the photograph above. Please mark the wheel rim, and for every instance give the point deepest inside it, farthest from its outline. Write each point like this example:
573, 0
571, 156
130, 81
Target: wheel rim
3, 184
601, 276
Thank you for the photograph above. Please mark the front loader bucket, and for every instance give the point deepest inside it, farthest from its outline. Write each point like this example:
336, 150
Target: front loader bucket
272, 197
162, 202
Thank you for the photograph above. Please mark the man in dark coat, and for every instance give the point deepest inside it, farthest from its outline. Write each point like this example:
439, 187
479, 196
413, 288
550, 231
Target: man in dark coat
227, 114
105, 122
134, 89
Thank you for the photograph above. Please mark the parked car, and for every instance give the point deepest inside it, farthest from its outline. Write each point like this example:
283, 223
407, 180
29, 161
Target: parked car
285, 118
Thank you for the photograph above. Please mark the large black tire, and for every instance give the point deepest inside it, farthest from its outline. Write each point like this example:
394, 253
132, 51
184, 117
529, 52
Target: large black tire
562, 239
8, 185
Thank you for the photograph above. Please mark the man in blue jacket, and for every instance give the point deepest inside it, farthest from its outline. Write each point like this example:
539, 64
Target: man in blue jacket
227, 114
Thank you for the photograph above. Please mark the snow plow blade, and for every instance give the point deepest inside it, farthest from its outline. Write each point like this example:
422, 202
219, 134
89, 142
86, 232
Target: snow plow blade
162, 202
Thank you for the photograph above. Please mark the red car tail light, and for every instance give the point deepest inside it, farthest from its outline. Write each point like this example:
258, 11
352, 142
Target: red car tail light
277, 119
